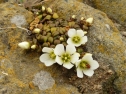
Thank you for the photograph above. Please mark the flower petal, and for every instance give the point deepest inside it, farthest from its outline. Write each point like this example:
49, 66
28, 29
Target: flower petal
49, 62
58, 60
46, 49
68, 65
84, 40
44, 57
88, 72
70, 42
71, 32
75, 58
80, 33
79, 73
94, 64
70, 49
87, 57
77, 63
59, 49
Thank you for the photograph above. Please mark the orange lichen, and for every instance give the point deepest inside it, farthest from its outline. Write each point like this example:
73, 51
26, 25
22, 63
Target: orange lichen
31, 85
101, 48
11, 72
18, 82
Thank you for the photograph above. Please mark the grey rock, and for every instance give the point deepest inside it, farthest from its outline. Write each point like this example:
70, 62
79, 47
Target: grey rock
20, 65
104, 43
114, 8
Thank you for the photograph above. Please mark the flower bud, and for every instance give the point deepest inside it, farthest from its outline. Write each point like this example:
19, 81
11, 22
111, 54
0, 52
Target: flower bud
49, 10
43, 8
33, 47
55, 15
24, 45
73, 16
36, 30
37, 13
61, 39
82, 18
89, 20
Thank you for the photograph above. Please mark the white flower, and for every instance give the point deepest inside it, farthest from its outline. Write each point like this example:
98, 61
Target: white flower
86, 65
24, 45
76, 37
48, 58
66, 57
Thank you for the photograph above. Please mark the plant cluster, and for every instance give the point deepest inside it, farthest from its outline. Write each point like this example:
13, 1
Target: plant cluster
61, 41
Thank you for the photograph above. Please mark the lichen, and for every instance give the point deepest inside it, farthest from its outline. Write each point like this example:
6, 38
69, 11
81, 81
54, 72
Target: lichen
43, 80
18, 20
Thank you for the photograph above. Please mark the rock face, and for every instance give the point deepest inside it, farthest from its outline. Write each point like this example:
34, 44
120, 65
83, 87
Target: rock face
89, 2
114, 8
18, 67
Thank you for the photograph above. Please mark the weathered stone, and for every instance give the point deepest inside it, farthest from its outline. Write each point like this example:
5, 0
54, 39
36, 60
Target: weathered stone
88, 2
116, 9
20, 65
104, 42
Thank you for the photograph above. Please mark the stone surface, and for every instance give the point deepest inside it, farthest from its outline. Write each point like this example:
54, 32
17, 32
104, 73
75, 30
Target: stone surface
116, 9
104, 43
1, 1
104, 39
88, 2
18, 67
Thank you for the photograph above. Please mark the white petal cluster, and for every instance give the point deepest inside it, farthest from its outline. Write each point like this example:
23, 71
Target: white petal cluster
48, 58
68, 57
86, 65
76, 37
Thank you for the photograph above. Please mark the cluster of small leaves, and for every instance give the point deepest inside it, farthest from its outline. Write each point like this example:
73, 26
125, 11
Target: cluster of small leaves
50, 34
48, 29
